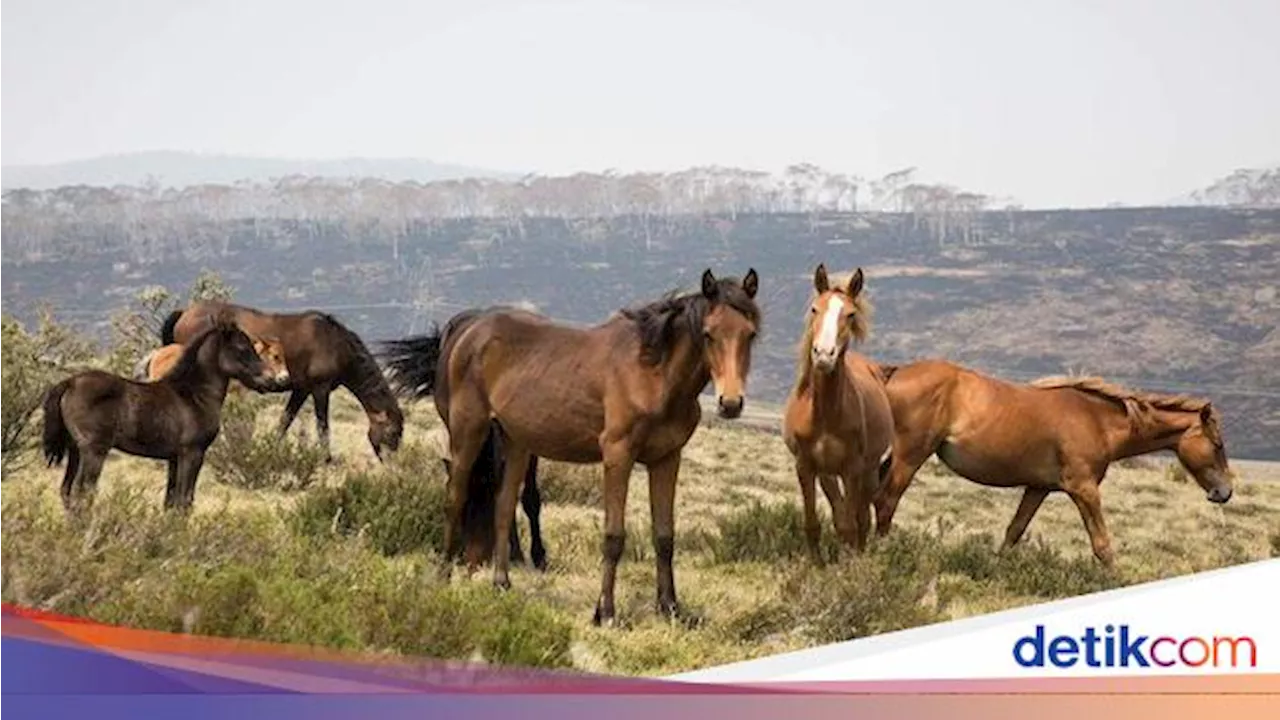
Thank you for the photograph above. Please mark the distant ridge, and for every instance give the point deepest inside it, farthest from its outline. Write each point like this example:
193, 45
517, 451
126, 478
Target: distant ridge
180, 169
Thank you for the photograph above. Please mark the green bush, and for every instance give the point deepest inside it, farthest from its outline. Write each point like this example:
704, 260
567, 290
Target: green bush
399, 508
246, 457
242, 573
768, 533
570, 484
888, 588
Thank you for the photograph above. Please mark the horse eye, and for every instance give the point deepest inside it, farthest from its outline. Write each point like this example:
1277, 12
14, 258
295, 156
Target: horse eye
813, 310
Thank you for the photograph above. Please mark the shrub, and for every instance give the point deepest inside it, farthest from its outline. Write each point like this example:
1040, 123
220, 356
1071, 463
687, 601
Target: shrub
399, 508
241, 573
1040, 569
1174, 472
570, 484
761, 532
245, 458
888, 588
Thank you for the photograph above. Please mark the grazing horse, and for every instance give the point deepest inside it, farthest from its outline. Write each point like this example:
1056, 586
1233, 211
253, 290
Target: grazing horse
1058, 433
622, 392
837, 420
417, 367
155, 364
175, 418
320, 354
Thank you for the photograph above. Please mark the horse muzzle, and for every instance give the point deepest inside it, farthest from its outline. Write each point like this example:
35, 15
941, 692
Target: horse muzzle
730, 408
825, 361
1219, 495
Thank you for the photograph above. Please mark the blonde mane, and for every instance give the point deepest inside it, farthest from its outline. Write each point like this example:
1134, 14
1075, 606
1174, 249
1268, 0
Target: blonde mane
1138, 404
863, 311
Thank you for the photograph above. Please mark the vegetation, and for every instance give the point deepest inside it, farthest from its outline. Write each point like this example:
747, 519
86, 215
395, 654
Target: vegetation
281, 547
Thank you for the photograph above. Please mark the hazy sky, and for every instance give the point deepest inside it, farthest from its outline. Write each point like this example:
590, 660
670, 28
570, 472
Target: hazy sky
1055, 103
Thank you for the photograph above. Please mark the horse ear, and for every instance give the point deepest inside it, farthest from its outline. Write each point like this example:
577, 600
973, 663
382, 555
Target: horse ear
855, 284
1206, 414
751, 283
820, 281
709, 284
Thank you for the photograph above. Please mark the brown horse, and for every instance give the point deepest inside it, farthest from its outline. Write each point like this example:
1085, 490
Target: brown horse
175, 418
418, 366
837, 420
321, 354
1058, 433
623, 392
157, 363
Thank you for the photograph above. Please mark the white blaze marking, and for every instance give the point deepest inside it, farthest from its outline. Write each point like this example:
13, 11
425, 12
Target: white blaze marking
830, 329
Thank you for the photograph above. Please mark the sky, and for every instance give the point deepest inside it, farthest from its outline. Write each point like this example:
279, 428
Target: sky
1056, 104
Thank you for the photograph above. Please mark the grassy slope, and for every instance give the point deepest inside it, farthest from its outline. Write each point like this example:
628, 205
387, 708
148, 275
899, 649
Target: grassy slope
1160, 527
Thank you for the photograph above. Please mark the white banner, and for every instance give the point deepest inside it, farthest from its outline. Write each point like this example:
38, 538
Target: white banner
1222, 621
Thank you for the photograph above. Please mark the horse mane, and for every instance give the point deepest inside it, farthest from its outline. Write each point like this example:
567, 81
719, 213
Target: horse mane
1136, 403
364, 377
863, 311
188, 362
661, 322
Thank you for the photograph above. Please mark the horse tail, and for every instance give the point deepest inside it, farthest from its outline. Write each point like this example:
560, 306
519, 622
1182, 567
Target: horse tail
411, 363
170, 324
56, 438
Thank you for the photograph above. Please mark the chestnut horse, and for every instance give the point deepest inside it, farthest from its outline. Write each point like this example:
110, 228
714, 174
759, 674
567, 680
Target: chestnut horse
1057, 433
175, 418
418, 366
321, 354
157, 363
837, 420
622, 392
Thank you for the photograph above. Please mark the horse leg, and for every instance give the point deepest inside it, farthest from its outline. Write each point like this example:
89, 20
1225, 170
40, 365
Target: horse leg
1088, 500
808, 493
1031, 499
291, 408
904, 463
859, 491
618, 462
466, 439
662, 511
189, 465
320, 398
839, 509
171, 487
531, 501
505, 515
87, 474
69, 475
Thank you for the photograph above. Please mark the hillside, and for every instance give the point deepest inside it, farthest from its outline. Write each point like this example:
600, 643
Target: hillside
1182, 299
178, 169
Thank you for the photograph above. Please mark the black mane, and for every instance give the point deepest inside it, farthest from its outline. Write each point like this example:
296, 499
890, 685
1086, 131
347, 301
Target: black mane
363, 376
188, 362
660, 323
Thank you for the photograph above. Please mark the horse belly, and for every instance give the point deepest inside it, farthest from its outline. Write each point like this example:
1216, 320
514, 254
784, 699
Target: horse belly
991, 468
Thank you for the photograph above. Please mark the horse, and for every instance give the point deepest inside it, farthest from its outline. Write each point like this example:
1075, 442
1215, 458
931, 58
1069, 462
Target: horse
175, 418
1053, 434
420, 362
321, 354
622, 392
837, 421
155, 364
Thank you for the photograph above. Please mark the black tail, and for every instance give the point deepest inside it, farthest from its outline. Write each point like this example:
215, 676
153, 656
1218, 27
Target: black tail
166, 330
411, 363
56, 438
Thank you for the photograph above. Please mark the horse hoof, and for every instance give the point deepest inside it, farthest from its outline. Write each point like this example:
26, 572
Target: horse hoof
603, 619
540, 562
503, 584
669, 610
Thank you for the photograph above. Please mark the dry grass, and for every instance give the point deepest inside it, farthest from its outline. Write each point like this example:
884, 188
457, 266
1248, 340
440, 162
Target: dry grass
746, 591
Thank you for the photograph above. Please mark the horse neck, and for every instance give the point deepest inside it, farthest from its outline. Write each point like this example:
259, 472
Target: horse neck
201, 381
1158, 430
373, 396
828, 392
685, 373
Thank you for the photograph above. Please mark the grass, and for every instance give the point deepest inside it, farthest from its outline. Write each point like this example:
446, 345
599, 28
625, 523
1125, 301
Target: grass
345, 558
